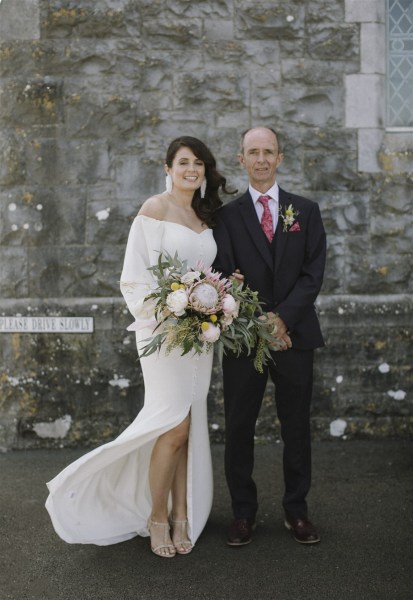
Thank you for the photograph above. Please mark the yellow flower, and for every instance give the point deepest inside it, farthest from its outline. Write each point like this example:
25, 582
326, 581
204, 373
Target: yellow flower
213, 318
175, 286
182, 286
204, 326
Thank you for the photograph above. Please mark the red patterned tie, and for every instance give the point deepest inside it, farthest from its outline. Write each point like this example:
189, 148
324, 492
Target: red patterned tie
266, 219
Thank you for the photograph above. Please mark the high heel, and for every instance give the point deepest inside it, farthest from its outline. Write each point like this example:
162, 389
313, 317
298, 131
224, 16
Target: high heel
167, 543
182, 543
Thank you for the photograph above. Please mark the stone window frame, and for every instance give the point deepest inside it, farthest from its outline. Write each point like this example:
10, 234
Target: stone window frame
380, 148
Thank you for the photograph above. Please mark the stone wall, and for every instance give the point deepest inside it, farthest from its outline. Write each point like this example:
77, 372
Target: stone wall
92, 92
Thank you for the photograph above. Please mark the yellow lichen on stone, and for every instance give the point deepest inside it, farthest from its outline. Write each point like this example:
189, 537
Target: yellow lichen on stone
74, 98
67, 13
37, 52
380, 344
15, 344
28, 197
383, 270
6, 53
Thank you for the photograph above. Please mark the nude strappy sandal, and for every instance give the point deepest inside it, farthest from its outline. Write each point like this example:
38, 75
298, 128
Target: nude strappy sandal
182, 543
166, 540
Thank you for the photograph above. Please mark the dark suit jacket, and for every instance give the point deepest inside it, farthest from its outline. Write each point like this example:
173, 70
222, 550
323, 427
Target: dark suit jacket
288, 277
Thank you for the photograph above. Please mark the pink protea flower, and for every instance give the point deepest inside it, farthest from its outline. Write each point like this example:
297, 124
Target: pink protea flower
206, 296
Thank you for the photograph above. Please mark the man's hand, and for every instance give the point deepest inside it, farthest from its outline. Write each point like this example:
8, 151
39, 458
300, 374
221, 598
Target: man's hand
280, 331
237, 276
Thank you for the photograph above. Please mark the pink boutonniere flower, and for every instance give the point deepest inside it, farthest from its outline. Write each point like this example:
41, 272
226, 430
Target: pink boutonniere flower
288, 215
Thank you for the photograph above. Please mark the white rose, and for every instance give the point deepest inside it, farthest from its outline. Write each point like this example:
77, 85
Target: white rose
177, 302
190, 277
229, 305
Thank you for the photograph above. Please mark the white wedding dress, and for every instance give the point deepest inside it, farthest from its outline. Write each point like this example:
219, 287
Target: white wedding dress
104, 497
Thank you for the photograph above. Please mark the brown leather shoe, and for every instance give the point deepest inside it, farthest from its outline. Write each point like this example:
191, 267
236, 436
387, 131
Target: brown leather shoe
303, 530
240, 532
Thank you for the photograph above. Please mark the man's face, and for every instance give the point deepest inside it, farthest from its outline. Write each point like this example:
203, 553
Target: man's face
260, 157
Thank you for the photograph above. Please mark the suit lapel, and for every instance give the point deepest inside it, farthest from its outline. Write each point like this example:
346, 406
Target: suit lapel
281, 236
253, 226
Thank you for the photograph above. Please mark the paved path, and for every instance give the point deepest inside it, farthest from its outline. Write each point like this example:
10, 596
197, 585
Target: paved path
362, 501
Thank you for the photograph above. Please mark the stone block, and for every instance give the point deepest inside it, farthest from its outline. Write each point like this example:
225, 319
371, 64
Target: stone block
219, 29
19, 20
364, 100
325, 11
13, 272
334, 282
344, 212
90, 116
171, 32
39, 216
75, 271
333, 172
392, 233
208, 88
228, 52
261, 52
373, 48
378, 274
396, 153
332, 42
60, 161
268, 21
17, 56
90, 19
369, 146
12, 158
364, 11
306, 71
185, 11
292, 48
108, 222
392, 195
31, 102
138, 178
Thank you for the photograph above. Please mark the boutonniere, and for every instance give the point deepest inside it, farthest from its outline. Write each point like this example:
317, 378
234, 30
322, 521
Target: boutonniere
288, 215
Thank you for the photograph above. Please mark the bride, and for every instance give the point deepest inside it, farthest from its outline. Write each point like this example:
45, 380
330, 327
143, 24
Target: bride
156, 477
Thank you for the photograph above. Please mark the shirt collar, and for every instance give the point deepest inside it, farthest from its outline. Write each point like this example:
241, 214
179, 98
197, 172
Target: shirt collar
273, 192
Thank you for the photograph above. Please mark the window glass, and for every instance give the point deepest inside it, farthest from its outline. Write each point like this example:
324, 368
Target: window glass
400, 63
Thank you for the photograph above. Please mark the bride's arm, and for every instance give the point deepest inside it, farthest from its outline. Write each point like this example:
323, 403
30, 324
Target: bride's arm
142, 251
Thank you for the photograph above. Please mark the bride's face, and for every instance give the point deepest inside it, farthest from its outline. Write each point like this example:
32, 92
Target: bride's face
187, 170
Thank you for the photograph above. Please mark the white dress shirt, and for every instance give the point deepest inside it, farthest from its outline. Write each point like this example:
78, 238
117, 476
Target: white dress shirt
272, 204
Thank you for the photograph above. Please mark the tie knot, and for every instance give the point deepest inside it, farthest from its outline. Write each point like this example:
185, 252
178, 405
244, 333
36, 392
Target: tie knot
264, 200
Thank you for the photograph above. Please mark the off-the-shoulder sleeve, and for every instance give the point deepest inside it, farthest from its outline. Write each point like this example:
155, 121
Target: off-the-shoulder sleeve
142, 251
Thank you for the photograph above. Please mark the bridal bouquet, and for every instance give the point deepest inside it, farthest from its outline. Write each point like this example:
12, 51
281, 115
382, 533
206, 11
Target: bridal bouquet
197, 308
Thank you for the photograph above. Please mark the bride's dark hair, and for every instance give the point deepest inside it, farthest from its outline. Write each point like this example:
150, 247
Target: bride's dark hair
205, 208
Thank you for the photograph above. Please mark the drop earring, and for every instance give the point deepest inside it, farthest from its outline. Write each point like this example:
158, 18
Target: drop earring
168, 183
203, 187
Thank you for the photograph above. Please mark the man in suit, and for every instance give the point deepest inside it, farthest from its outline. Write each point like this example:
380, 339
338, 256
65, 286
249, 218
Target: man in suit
276, 240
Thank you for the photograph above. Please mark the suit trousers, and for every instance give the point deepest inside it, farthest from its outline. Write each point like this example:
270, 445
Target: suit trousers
244, 387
